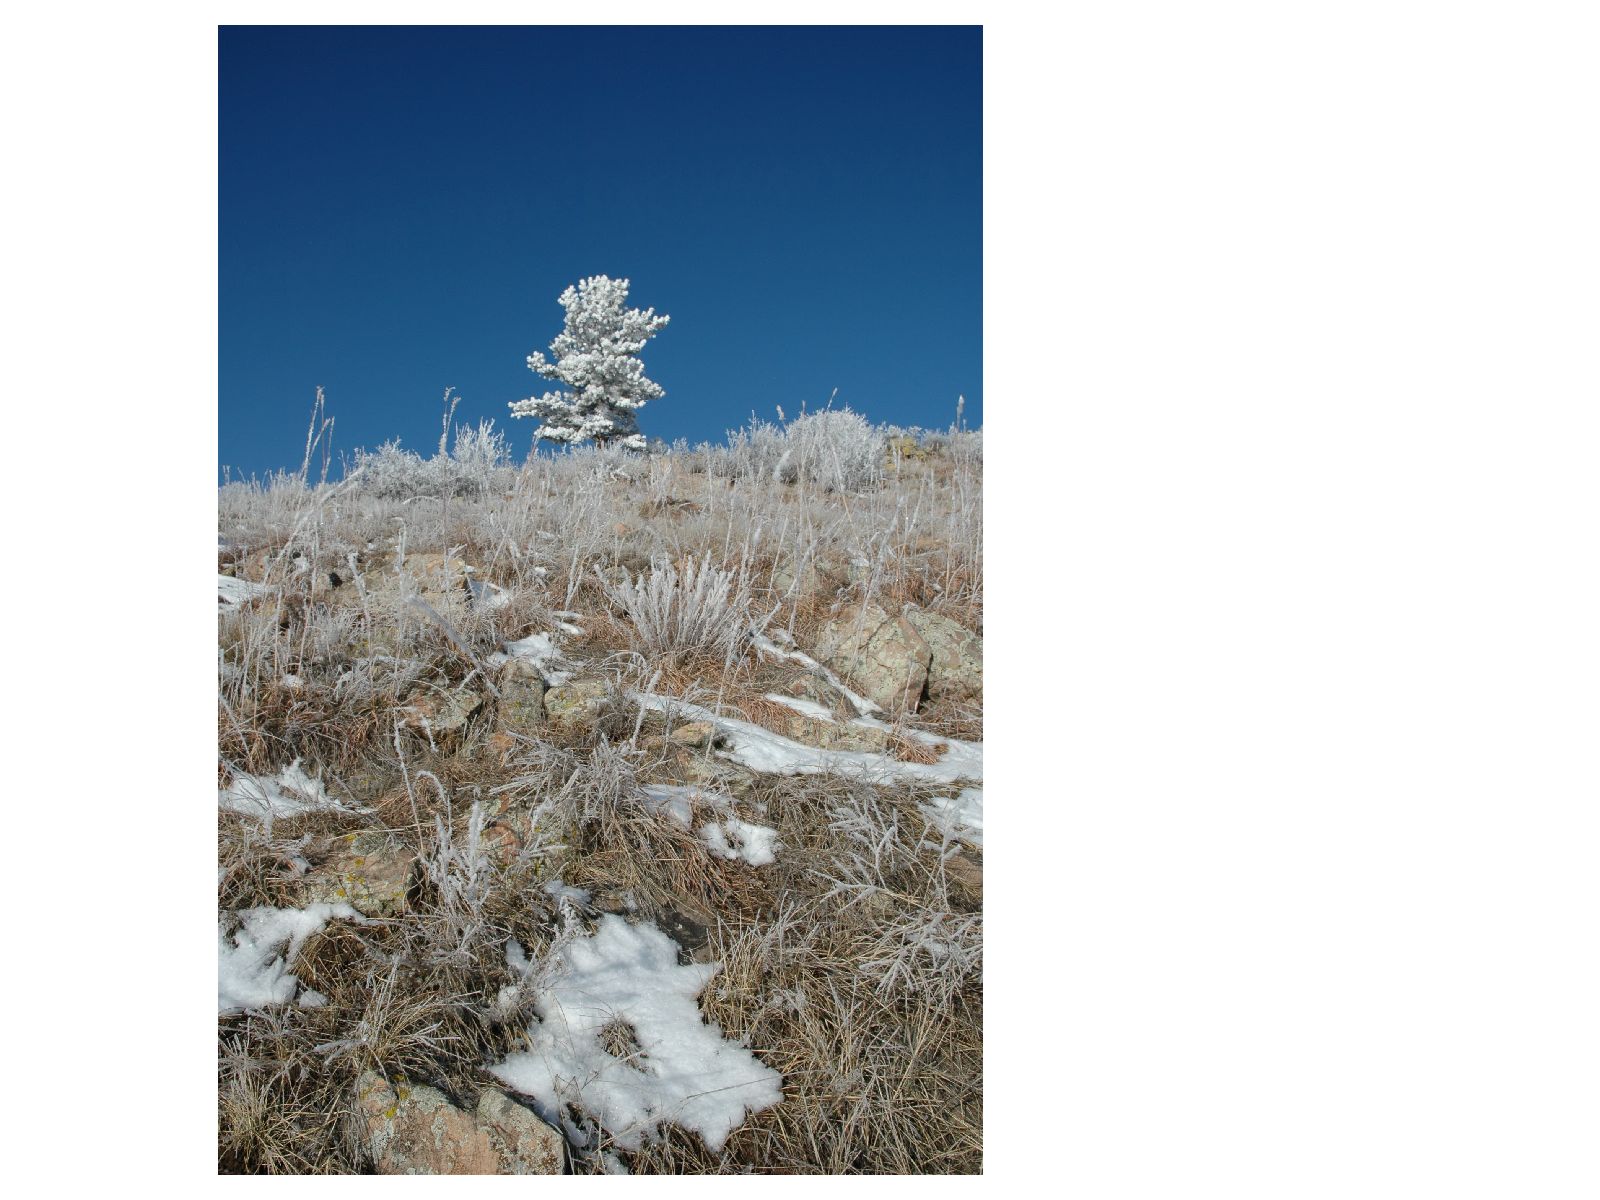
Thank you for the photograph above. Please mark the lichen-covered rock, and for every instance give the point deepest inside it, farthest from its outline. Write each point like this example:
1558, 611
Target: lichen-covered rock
576, 706
370, 871
955, 670
696, 735
884, 657
834, 735
522, 690
415, 1130
527, 1146
442, 716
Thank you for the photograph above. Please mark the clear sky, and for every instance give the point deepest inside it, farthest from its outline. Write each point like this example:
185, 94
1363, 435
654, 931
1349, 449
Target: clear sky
401, 206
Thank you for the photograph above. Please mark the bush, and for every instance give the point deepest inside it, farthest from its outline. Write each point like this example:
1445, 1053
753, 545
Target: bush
837, 450
396, 474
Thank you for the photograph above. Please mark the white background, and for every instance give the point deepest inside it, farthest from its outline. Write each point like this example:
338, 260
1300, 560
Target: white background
1290, 339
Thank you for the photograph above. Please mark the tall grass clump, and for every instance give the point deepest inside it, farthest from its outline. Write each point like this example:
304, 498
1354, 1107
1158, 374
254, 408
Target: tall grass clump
837, 450
467, 471
702, 610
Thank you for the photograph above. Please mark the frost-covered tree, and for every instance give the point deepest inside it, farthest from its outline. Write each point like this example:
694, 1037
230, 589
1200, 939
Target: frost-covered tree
596, 357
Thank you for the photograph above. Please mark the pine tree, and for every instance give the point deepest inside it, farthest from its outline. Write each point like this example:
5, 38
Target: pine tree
596, 357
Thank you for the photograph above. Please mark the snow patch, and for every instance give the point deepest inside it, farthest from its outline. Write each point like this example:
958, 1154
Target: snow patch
734, 839
959, 816
773, 754
251, 973
231, 591
288, 794
539, 649
862, 705
486, 596
684, 1071
727, 837
808, 708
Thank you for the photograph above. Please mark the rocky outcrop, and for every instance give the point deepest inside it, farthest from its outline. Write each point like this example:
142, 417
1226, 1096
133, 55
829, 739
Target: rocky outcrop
414, 1130
522, 690
370, 871
884, 657
955, 667
574, 708
442, 716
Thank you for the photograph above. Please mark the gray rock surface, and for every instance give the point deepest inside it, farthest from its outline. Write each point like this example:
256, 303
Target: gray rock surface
883, 657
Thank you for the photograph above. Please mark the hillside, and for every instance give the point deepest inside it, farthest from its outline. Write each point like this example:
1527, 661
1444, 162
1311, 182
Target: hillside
612, 812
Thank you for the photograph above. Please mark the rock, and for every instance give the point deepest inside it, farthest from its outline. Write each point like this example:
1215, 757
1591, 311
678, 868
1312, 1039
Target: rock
697, 735
575, 707
526, 1144
955, 671
786, 580
442, 716
522, 690
884, 657
718, 775
414, 1130
437, 576
818, 690
369, 871
834, 735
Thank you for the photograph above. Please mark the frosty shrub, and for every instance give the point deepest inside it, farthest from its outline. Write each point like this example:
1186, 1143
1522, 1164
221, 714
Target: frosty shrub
596, 357
751, 453
838, 450
468, 471
703, 610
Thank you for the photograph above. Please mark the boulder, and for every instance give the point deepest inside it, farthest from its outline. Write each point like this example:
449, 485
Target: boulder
574, 707
955, 670
697, 735
522, 690
415, 1130
370, 871
884, 657
442, 717
527, 1146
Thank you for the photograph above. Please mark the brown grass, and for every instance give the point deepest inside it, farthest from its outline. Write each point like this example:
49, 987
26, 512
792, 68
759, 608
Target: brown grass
878, 1042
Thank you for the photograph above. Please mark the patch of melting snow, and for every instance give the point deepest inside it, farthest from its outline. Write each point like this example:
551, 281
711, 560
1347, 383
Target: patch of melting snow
727, 837
683, 1070
959, 816
809, 708
287, 794
251, 971
734, 839
861, 704
770, 753
539, 649
231, 591
486, 596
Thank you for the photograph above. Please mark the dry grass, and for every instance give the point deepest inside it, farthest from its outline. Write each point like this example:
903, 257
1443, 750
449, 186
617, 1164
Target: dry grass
851, 964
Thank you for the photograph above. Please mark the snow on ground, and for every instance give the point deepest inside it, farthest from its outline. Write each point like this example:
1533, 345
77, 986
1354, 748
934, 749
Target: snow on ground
808, 708
288, 794
231, 591
959, 816
251, 973
684, 1070
771, 753
486, 596
862, 705
539, 649
727, 837
734, 839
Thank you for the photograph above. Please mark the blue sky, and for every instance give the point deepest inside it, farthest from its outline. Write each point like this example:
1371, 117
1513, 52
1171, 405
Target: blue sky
401, 206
